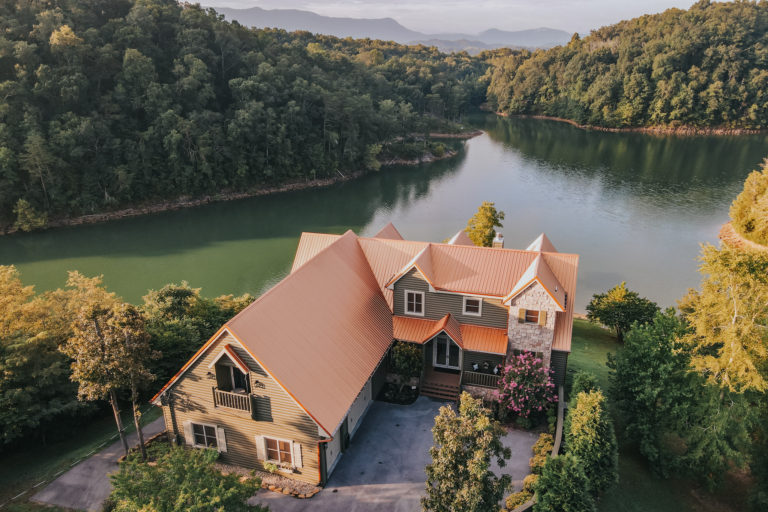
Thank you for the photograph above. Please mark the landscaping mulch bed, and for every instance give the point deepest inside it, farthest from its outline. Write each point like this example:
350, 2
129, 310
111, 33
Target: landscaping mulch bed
394, 394
274, 481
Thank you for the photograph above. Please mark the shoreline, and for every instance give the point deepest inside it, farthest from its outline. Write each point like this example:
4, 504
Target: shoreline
732, 238
683, 130
190, 202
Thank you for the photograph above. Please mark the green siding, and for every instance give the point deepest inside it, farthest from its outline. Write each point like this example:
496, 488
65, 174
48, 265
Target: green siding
437, 305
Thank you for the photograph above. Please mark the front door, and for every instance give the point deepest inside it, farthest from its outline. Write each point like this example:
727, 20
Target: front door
446, 352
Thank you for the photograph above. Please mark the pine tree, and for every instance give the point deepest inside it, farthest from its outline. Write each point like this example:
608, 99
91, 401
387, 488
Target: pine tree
563, 486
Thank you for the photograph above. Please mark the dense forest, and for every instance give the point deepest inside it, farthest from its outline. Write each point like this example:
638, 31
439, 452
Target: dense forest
114, 102
704, 67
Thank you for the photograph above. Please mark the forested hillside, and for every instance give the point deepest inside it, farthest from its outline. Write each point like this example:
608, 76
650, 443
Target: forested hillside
116, 102
704, 67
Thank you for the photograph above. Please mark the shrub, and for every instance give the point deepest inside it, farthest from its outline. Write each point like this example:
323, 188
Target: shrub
749, 210
589, 435
536, 463
529, 482
563, 486
407, 359
270, 467
181, 479
516, 499
584, 381
526, 388
544, 444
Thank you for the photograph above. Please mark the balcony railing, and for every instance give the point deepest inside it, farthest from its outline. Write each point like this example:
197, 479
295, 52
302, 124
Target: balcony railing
239, 401
486, 380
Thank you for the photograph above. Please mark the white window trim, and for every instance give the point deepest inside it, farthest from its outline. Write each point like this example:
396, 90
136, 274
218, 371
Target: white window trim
423, 303
447, 348
278, 439
464, 306
215, 429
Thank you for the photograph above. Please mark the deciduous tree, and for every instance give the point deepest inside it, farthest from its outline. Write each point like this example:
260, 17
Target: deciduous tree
459, 476
481, 228
619, 308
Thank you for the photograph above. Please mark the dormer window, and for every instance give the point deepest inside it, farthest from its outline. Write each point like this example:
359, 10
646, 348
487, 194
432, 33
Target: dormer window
231, 372
414, 303
473, 306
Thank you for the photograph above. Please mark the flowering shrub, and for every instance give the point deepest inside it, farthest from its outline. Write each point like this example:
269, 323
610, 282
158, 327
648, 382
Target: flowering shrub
526, 387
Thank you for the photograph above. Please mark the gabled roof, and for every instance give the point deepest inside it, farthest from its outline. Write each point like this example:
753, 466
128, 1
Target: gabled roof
320, 345
389, 232
461, 238
420, 330
482, 271
539, 272
469, 337
541, 244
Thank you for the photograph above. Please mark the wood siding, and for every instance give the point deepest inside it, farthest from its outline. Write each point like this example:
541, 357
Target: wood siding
479, 358
277, 414
437, 305
559, 365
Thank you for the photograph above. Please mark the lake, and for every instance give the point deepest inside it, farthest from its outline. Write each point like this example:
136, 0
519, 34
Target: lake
636, 207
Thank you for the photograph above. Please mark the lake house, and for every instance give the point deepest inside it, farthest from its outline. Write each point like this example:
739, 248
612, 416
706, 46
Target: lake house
290, 378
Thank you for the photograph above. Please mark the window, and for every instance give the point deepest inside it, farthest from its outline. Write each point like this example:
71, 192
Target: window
278, 451
414, 303
473, 306
531, 317
204, 435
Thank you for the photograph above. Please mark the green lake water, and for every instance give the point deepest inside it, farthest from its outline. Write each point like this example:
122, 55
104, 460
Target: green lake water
635, 207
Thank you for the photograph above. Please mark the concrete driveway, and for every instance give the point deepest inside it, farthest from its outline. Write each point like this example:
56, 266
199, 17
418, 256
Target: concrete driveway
383, 470
87, 485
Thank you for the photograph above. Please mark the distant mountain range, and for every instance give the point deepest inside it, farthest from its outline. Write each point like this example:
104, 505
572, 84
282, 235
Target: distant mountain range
390, 30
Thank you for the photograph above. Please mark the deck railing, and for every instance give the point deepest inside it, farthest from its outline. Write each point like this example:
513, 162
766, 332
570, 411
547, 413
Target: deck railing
239, 401
486, 380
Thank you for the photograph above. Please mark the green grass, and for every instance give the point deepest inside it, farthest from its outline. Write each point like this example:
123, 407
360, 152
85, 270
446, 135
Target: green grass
639, 490
21, 470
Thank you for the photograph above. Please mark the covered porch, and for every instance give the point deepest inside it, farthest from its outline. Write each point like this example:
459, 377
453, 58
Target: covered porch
454, 355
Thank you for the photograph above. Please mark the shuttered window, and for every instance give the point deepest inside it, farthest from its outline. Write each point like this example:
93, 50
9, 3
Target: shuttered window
279, 451
531, 316
205, 435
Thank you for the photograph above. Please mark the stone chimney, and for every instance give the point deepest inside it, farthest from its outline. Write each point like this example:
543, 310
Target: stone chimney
498, 242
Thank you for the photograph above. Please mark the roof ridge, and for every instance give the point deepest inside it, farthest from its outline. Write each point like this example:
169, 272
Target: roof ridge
295, 272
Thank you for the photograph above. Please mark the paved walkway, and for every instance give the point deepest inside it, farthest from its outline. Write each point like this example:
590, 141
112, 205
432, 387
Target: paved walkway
383, 470
87, 485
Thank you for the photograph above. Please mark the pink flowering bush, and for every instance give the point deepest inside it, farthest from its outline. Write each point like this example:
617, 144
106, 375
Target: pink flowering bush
526, 389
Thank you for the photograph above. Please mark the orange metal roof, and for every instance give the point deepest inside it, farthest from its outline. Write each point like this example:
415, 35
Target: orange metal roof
484, 339
541, 244
461, 238
389, 232
466, 269
309, 245
419, 330
321, 331
468, 337
540, 272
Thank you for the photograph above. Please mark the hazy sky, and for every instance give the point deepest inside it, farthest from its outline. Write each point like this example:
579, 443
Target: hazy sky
475, 15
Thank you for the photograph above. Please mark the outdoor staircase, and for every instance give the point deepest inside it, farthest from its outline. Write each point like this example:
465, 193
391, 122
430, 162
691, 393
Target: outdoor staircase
440, 391
441, 385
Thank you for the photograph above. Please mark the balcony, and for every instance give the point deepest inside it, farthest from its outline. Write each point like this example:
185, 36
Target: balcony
486, 380
230, 400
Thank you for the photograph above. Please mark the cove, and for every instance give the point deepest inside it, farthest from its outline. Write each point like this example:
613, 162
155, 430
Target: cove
635, 206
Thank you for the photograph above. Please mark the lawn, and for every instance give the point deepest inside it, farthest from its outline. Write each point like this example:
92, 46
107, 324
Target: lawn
20, 471
639, 490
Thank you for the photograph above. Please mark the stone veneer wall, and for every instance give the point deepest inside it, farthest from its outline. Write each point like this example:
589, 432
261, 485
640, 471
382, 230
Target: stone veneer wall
532, 337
